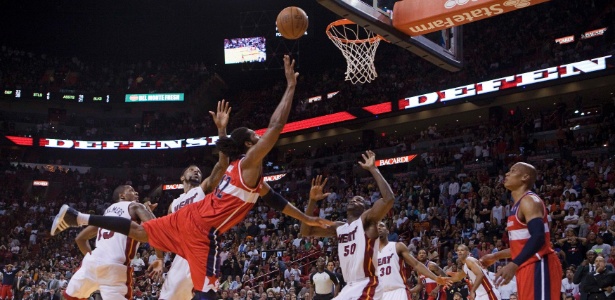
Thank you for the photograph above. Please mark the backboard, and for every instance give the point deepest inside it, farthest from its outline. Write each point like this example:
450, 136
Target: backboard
443, 48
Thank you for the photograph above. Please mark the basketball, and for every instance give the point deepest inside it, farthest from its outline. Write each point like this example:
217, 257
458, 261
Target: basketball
292, 22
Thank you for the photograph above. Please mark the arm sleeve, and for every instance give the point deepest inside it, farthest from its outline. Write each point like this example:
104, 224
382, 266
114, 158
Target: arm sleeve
275, 200
537, 239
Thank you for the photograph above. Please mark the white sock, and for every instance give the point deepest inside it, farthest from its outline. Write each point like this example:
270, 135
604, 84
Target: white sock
83, 219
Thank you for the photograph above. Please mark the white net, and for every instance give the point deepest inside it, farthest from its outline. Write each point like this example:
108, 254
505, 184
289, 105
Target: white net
358, 45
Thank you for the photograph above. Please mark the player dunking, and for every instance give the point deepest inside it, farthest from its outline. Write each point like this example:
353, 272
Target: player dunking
430, 289
393, 257
482, 286
357, 237
538, 270
193, 231
107, 268
178, 284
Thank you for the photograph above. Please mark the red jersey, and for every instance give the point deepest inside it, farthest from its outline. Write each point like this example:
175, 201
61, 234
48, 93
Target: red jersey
518, 233
231, 201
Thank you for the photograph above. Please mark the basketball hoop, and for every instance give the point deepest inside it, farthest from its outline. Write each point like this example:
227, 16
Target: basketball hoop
358, 45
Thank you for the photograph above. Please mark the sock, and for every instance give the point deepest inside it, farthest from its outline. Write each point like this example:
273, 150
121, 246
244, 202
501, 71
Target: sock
83, 219
116, 224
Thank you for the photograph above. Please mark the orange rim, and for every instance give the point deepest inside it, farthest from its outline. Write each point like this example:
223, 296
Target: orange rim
346, 41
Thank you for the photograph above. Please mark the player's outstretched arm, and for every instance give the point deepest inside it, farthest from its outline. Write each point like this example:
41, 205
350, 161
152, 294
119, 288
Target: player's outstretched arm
383, 205
489, 259
255, 154
82, 239
277, 202
402, 250
144, 214
221, 118
316, 194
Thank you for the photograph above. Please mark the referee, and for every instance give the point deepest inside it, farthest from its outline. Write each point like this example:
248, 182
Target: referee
323, 282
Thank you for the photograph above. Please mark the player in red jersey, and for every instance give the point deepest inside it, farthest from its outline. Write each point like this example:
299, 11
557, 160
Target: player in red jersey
538, 270
193, 231
429, 288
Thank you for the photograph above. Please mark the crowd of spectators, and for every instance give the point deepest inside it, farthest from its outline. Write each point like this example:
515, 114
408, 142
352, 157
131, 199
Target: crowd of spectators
516, 42
451, 194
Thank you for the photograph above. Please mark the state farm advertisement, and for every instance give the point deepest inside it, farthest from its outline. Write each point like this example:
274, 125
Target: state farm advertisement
395, 160
419, 17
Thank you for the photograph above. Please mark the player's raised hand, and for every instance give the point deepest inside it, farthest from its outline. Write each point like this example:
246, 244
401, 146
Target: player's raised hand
150, 206
369, 160
155, 269
289, 71
318, 222
222, 114
318, 185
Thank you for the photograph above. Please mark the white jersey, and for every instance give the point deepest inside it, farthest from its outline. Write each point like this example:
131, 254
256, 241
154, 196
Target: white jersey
390, 268
486, 289
356, 252
195, 194
113, 247
178, 285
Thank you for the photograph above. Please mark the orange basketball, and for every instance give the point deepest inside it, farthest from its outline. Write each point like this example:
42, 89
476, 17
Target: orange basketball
292, 22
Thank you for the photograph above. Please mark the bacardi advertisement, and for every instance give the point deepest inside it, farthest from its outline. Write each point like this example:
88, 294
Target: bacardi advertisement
395, 160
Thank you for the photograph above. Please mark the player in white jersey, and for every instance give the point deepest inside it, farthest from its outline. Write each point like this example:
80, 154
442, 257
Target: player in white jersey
357, 238
107, 268
391, 269
178, 284
482, 286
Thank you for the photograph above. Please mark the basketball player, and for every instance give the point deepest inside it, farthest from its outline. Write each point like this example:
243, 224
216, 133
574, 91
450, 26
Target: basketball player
538, 270
482, 286
391, 269
178, 284
193, 231
107, 268
428, 288
358, 236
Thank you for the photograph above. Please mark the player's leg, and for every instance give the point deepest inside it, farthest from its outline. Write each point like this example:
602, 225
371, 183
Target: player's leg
68, 217
178, 285
83, 283
115, 281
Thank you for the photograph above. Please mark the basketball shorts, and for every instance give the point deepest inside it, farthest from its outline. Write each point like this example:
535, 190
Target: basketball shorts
113, 280
6, 291
494, 295
178, 285
366, 289
398, 294
541, 280
185, 234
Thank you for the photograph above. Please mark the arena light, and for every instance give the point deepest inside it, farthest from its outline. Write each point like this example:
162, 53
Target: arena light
40, 183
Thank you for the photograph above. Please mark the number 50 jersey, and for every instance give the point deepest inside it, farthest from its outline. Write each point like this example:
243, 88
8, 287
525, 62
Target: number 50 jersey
356, 252
113, 247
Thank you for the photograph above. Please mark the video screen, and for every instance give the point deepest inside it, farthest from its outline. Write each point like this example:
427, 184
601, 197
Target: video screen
244, 50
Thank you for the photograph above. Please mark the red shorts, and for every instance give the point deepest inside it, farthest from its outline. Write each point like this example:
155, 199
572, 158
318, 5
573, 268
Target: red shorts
6, 292
541, 280
186, 234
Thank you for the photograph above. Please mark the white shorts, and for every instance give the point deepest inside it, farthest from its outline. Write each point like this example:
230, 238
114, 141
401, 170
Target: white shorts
113, 280
398, 294
178, 285
360, 290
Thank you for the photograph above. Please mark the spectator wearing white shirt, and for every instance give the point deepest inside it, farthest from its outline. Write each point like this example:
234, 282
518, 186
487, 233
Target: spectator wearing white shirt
294, 271
137, 264
569, 288
453, 188
571, 220
576, 204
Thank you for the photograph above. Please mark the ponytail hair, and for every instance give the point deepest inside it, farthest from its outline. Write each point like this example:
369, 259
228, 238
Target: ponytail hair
234, 146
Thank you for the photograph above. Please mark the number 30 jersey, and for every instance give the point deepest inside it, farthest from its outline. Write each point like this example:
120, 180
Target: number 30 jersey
356, 252
390, 268
113, 247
